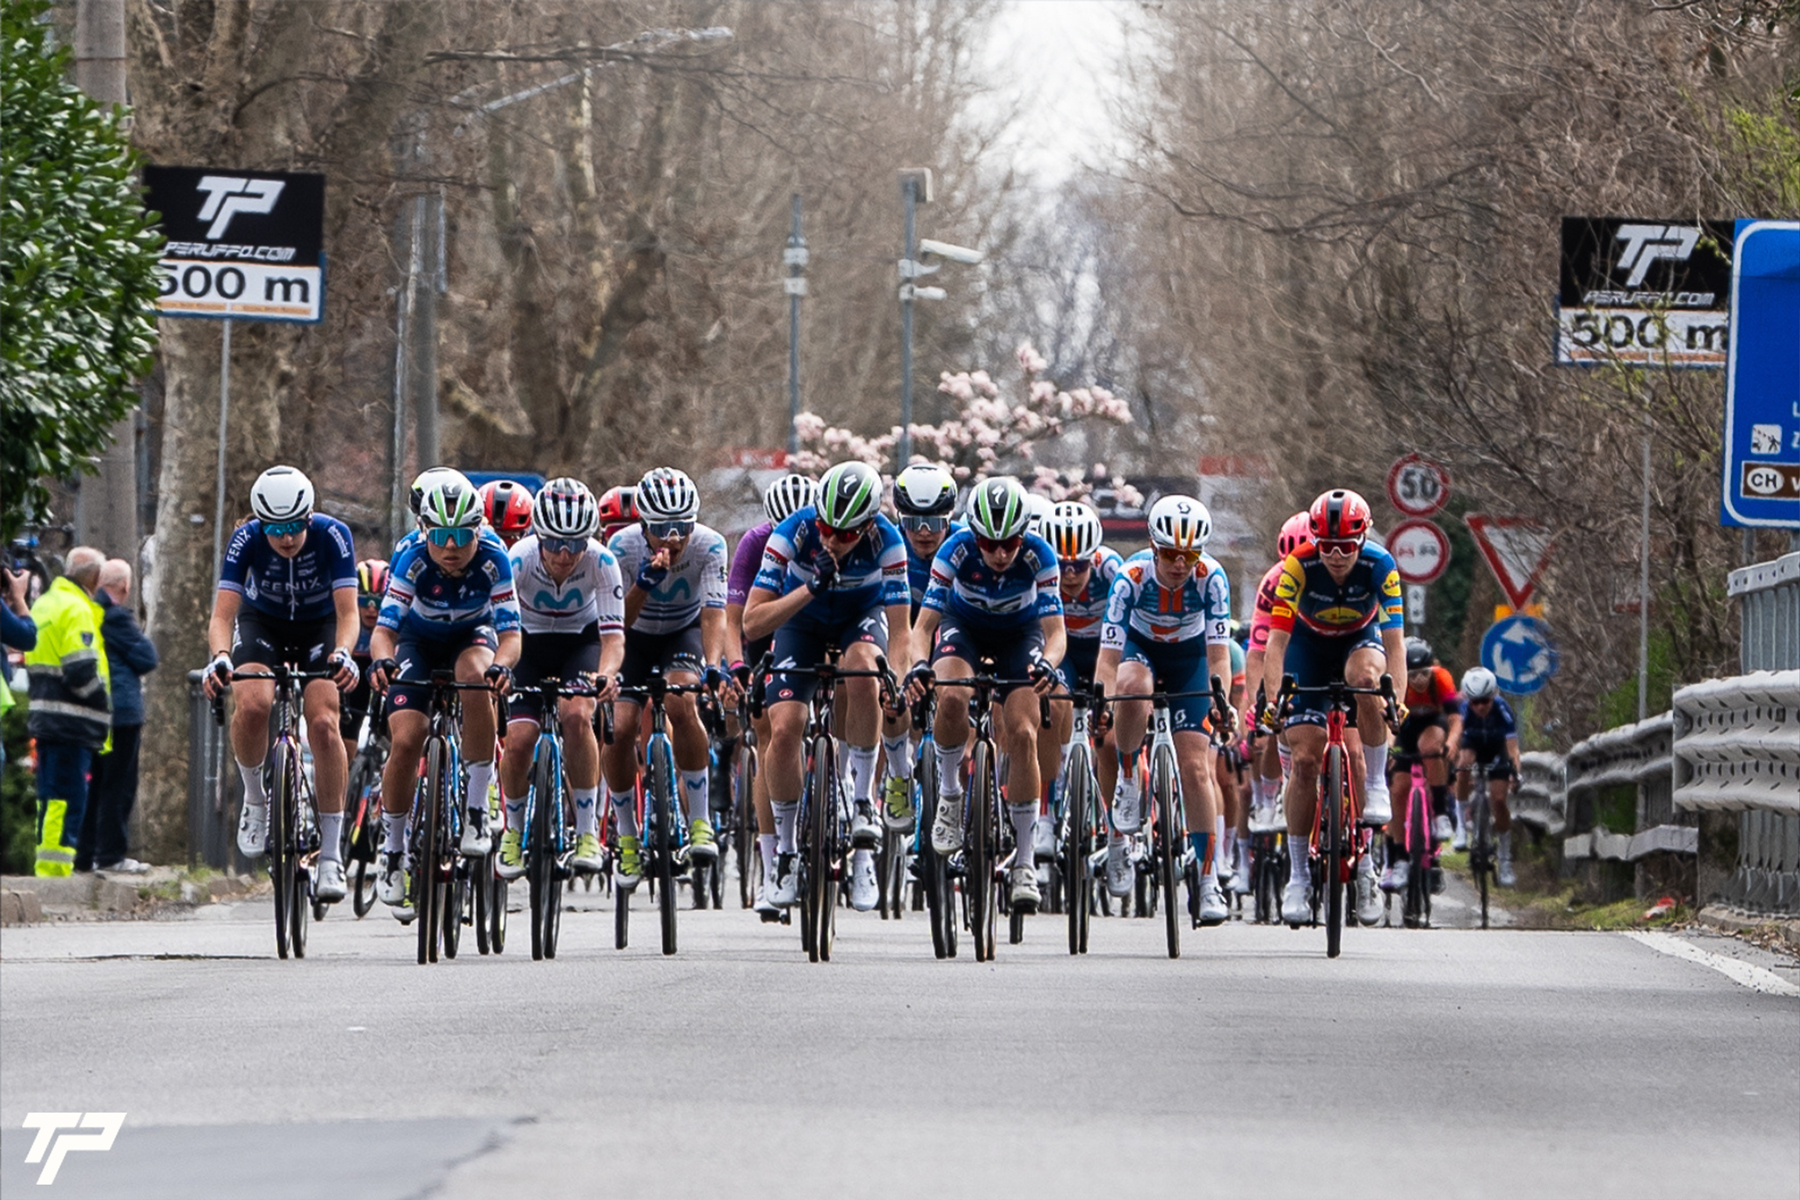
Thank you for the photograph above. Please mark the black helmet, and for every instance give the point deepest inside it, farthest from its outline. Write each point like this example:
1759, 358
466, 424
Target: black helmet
1418, 654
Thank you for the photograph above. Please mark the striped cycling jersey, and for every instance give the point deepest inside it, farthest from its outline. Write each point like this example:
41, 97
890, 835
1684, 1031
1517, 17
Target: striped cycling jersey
424, 600
696, 580
1306, 593
1084, 614
1265, 604
965, 588
1138, 604
593, 594
871, 575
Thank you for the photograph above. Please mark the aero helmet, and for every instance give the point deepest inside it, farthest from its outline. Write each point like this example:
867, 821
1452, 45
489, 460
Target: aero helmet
281, 494
507, 506
925, 490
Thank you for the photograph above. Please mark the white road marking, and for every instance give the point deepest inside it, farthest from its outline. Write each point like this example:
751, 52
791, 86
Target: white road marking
1756, 978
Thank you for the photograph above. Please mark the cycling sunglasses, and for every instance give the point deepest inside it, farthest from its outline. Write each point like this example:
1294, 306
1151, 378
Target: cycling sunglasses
833, 534
443, 536
1339, 547
284, 528
669, 529
1190, 557
924, 524
1074, 566
552, 545
990, 546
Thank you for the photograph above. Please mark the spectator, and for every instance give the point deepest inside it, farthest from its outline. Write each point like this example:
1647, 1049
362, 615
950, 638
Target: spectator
71, 712
17, 632
113, 790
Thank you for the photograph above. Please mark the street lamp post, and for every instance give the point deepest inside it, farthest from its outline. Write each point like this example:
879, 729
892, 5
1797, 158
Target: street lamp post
795, 284
915, 189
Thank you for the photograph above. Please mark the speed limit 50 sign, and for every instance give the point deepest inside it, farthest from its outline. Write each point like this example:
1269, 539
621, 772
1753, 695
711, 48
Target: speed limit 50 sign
1417, 486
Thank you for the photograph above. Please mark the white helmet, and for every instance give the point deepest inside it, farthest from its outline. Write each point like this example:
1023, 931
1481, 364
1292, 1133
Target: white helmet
1073, 530
787, 496
281, 494
565, 508
1179, 523
665, 494
1038, 508
1478, 683
925, 490
427, 478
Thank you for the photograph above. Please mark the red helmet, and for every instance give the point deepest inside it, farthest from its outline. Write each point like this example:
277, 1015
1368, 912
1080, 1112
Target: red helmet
508, 508
372, 578
1296, 531
618, 507
1339, 514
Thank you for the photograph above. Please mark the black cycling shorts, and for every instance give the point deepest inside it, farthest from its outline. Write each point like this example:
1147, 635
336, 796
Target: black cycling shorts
679, 651
419, 657
267, 641
1009, 647
564, 656
799, 648
1406, 741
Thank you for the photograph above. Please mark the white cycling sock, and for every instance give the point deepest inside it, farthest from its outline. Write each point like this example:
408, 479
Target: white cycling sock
586, 811
899, 753
1230, 845
862, 772
1298, 853
1271, 791
393, 829
787, 822
1285, 758
515, 813
625, 811
1024, 816
480, 775
1375, 765
950, 760
253, 785
767, 841
331, 832
693, 794
1219, 844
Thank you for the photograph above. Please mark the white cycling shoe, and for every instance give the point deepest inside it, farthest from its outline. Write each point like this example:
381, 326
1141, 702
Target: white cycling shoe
863, 892
1127, 809
1395, 878
1213, 909
1120, 871
253, 829
765, 906
1369, 904
1441, 828
1240, 876
1296, 904
391, 881
786, 892
947, 826
475, 839
1378, 807
865, 834
328, 883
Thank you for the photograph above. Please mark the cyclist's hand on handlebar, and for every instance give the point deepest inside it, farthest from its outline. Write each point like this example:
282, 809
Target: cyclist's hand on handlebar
344, 671
1397, 714
606, 689
382, 672
1228, 723
917, 681
1268, 721
498, 678
1044, 675
218, 676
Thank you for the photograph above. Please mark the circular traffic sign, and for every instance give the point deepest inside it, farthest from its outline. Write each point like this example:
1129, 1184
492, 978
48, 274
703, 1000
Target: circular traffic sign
1518, 651
1417, 486
1420, 550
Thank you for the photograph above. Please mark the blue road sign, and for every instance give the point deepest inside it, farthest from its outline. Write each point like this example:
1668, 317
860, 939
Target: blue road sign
1518, 651
1761, 479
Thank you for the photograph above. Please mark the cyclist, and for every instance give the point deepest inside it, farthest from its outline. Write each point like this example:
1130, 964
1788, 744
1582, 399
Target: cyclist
287, 592
618, 510
507, 507
1085, 573
359, 703
675, 624
1168, 624
1234, 852
1490, 736
924, 498
1038, 508
1269, 762
781, 500
994, 594
449, 605
1433, 723
572, 616
1337, 615
833, 575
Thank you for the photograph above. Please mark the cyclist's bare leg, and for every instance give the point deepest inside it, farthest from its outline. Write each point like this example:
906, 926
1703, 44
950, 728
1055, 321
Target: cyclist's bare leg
1465, 763
1497, 792
581, 749
1364, 670
858, 719
1200, 798
950, 726
759, 784
1017, 728
251, 701
619, 759
783, 769
1132, 717
330, 767
515, 764
1306, 744
406, 733
478, 726
1106, 764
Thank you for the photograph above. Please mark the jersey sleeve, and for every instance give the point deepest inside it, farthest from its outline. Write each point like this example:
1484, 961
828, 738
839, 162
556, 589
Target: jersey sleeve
1049, 593
746, 561
403, 580
778, 552
237, 558
943, 574
1217, 598
1286, 601
1393, 607
609, 593
1509, 725
501, 596
1118, 608
342, 555
895, 589
716, 575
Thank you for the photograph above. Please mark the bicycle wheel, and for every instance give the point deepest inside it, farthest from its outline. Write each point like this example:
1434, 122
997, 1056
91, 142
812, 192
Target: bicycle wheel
1078, 796
745, 812
1418, 878
1333, 800
483, 892
1168, 833
425, 861
538, 866
1484, 840
979, 891
456, 904
822, 815
662, 837
929, 865
497, 896
280, 847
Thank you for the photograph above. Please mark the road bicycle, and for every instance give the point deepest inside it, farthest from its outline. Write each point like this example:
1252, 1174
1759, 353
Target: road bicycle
929, 867
1421, 852
441, 878
745, 764
293, 839
1080, 831
1268, 858
362, 811
1483, 863
664, 837
548, 837
1337, 839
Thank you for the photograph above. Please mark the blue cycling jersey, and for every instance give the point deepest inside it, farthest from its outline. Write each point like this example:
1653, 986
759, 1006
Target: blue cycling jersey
293, 589
1085, 613
965, 588
425, 601
918, 567
1491, 730
872, 575
1200, 608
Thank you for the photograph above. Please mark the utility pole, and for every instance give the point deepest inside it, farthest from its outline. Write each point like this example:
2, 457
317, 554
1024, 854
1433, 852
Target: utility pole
915, 189
106, 506
795, 257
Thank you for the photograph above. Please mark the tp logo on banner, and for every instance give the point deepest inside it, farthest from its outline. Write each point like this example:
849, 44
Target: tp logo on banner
49, 1147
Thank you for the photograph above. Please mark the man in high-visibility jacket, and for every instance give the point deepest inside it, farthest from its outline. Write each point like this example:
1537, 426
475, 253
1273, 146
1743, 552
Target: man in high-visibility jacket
71, 709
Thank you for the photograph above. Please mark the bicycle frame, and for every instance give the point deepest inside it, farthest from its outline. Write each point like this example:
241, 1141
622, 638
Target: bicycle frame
984, 828
663, 838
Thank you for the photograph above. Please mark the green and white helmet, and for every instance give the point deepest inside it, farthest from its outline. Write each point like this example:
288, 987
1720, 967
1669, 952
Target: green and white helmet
849, 496
450, 501
998, 509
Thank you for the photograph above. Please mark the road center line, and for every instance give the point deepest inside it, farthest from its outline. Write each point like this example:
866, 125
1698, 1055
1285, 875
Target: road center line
1756, 978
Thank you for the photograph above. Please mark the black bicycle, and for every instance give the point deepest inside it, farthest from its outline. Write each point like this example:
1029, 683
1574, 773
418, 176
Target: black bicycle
929, 867
1080, 832
362, 811
1483, 862
664, 841
441, 878
548, 841
293, 824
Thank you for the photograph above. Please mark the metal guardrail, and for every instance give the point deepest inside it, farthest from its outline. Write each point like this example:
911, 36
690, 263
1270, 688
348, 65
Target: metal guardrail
1737, 749
1769, 614
213, 788
1639, 755
1542, 796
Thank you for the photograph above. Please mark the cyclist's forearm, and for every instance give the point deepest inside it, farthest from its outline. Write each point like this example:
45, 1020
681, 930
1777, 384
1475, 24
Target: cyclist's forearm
1218, 665
219, 628
1393, 641
1056, 638
612, 653
381, 643
734, 632
635, 597
924, 632
1274, 658
348, 623
900, 637
712, 635
766, 612
507, 654
1106, 668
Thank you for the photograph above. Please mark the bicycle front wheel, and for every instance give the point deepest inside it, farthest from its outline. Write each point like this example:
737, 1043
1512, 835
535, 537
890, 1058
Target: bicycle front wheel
1484, 841
822, 875
662, 825
746, 822
280, 809
978, 885
1170, 842
1335, 801
1078, 799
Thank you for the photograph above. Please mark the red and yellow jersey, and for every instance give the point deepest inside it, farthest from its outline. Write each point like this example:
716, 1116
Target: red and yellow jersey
1306, 594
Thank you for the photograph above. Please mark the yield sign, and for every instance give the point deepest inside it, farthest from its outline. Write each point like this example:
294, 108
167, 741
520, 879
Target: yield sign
1515, 549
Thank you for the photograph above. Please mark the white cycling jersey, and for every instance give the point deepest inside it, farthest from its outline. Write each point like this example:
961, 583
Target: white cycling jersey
695, 581
593, 594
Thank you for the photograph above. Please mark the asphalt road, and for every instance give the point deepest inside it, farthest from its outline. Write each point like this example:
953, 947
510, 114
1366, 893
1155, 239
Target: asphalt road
1421, 1063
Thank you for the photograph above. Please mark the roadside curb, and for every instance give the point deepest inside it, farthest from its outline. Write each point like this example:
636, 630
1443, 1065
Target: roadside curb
1723, 919
29, 899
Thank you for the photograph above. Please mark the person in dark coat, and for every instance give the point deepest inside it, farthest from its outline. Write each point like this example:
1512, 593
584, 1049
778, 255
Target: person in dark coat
113, 793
